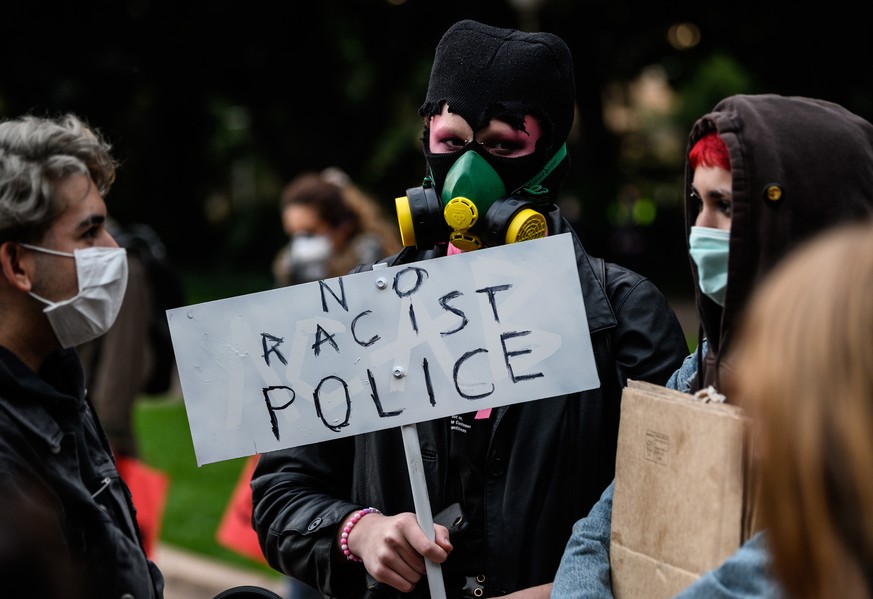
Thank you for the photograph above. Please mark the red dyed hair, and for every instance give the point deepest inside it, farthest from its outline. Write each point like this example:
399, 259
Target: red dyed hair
709, 151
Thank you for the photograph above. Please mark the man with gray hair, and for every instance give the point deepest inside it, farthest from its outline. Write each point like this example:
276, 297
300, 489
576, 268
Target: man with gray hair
67, 525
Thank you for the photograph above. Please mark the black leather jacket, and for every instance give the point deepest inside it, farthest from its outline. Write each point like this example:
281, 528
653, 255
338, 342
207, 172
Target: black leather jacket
548, 460
67, 523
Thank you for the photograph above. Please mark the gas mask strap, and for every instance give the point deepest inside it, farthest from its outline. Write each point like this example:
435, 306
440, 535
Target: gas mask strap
533, 187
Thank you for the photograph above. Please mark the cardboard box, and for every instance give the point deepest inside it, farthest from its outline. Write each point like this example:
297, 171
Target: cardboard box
682, 490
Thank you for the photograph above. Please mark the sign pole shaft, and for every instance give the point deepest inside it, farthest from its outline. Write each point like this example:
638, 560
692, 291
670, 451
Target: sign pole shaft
422, 504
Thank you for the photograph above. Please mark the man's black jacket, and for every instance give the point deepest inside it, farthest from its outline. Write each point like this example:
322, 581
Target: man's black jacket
67, 523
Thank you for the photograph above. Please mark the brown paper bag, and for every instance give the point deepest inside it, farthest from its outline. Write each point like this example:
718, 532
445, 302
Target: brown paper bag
680, 506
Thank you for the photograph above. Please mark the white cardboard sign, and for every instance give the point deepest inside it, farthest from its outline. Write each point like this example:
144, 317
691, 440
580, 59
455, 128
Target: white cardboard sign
380, 349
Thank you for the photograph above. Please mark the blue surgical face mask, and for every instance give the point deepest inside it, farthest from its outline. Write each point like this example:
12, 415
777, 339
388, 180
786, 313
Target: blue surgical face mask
709, 249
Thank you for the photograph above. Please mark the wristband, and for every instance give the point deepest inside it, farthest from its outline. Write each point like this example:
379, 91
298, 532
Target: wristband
344, 538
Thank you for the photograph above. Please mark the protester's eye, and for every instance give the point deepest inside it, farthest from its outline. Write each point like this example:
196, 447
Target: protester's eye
93, 228
449, 133
502, 147
502, 139
453, 144
725, 207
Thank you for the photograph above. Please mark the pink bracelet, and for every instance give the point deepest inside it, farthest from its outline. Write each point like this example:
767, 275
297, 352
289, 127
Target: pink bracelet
344, 538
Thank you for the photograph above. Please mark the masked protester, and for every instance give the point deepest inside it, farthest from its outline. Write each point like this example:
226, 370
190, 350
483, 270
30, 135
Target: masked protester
495, 161
62, 281
764, 174
505, 489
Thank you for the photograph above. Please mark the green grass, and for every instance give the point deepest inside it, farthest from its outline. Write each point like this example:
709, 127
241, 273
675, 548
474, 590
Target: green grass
197, 496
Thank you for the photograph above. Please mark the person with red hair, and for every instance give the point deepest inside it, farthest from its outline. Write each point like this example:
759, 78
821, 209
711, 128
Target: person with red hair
709, 151
764, 173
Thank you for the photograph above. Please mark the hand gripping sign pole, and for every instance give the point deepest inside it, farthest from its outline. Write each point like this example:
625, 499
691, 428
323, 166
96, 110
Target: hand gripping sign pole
384, 349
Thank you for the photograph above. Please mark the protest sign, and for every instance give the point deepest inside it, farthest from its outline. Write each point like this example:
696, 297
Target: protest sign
383, 348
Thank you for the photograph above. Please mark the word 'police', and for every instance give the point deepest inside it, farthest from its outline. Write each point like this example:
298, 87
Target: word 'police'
406, 283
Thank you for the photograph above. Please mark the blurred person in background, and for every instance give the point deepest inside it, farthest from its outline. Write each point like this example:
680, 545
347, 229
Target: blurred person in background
62, 282
332, 227
804, 373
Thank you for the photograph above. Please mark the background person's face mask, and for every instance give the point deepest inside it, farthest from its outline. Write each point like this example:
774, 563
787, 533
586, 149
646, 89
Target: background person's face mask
102, 279
307, 256
709, 249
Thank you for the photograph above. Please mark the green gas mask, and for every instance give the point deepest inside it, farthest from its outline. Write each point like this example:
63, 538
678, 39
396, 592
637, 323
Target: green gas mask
473, 209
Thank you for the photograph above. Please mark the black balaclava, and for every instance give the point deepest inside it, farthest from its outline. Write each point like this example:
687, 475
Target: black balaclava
485, 72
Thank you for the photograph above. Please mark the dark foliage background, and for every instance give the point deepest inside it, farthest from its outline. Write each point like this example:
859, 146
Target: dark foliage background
212, 106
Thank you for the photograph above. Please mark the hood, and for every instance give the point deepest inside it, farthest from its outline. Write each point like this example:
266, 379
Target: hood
799, 166
484, 73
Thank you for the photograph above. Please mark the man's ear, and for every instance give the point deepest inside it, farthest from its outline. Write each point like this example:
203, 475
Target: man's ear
15, 270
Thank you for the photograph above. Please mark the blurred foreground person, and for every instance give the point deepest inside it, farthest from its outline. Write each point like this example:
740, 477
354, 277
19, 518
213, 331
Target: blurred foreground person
804, 373
62, 280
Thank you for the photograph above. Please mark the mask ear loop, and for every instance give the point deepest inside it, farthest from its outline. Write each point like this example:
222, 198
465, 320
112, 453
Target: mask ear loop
36, 248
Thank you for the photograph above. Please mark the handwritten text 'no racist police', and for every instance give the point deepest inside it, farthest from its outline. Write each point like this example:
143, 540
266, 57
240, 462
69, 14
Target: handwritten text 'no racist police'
382, 348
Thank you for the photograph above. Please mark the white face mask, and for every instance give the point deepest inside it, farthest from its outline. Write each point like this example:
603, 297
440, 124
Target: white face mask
102, 277
306, 259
